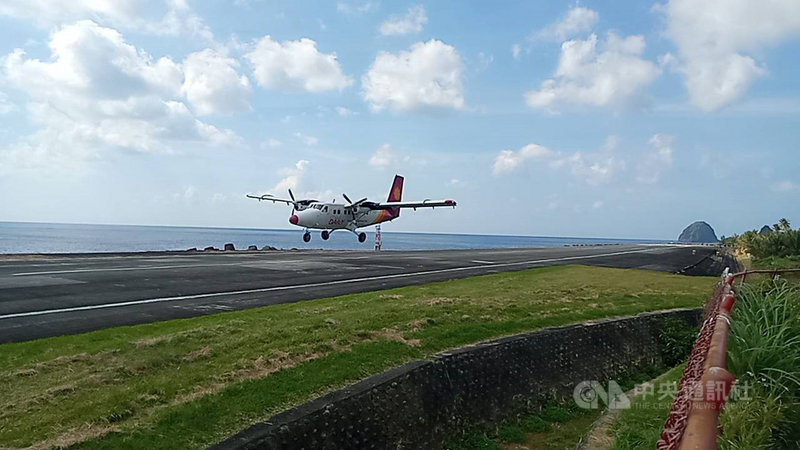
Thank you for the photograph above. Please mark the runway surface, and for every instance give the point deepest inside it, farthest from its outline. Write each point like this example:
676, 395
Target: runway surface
42, 296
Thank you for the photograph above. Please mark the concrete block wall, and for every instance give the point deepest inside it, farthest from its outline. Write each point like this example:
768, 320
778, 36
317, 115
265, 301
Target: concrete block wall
424, 403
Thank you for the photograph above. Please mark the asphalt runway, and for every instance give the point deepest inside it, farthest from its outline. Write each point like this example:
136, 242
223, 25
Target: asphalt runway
42, 296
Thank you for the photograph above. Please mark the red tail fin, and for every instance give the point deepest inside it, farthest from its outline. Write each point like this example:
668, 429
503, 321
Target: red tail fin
396, 194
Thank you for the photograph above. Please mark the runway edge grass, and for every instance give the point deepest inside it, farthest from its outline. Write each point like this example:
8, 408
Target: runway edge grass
188, 383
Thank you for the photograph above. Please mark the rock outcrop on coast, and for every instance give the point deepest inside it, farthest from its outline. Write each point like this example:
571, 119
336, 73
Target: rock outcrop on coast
698, 232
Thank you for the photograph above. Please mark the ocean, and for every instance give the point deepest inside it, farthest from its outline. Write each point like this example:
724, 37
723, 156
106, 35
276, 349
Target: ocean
23, 237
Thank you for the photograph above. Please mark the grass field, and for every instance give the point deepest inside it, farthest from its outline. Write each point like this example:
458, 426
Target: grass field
188, 383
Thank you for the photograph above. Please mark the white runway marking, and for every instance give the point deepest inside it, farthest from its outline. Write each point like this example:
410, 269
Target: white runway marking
308, 285
121, 269
482, 262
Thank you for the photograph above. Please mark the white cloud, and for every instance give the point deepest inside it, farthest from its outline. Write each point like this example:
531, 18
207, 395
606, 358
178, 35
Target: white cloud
382, 158
292, 177
716, 42
578, 20
592, 168
168, 17
344, 112
429, 75
509, 160
271, 143
356, 8
213, 86
657, 160
587, 75
785, 186
412, 22
296, 66
96, 93
515, 51
5, 104
597, 204
308, 140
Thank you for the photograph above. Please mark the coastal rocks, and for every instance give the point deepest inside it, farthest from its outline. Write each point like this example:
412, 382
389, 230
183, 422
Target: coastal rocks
252, 248
210, 249
229, 247
698, 232
268, 247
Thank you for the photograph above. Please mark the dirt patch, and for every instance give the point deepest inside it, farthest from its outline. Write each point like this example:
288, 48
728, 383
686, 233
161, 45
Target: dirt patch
197, 354
599, 437
151, 341
392, 334
391, 296
442, 301
74, 436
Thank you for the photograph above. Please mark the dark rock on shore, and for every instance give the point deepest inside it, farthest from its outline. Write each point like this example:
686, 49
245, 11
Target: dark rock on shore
698, 232
229, 247
252, 248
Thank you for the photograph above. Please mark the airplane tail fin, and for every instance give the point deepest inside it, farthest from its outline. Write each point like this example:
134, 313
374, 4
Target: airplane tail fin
396, 194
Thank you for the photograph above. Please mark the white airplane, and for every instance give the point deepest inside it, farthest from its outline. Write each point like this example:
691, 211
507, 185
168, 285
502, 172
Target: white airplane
330, 217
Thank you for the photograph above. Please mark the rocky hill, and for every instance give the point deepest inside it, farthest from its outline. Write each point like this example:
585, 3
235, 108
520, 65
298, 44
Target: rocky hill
698, 232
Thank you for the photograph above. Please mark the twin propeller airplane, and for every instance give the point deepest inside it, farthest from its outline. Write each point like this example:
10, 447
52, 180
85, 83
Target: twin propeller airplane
330, 217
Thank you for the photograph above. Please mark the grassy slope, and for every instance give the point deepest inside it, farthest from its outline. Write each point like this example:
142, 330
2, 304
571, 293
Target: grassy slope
641, 425
187, 383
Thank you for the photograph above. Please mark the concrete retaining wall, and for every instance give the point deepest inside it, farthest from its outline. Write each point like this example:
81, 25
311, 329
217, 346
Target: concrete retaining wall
423, 403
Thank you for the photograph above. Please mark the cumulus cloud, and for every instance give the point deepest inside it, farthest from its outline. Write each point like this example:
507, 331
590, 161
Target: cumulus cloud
382, 158
594, 168
212, 84
591, 72
292, 176
306, 139
168, 17
716, 42
577, 20
657, 160
429, 75
356, 8
509, 160
98, 92
5, 104
412, 22
296, 66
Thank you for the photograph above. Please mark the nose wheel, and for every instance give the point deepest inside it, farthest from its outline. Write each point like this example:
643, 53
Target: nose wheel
325, 235
306, 236
362, 237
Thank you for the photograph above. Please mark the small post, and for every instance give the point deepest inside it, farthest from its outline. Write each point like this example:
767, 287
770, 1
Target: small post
378, 238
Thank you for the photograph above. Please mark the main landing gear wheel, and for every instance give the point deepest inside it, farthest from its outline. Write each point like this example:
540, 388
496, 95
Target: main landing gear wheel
362, 237
325, 235
306, 236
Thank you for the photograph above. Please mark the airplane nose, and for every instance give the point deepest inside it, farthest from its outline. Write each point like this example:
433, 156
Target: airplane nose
294, 219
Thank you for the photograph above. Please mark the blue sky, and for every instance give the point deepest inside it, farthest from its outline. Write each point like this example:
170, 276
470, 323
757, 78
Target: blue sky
595, 119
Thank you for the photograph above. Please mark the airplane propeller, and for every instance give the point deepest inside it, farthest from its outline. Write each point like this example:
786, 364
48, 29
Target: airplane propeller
352, 203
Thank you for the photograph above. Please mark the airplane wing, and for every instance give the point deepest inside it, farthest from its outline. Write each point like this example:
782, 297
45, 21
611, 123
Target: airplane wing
272, 199
415, 205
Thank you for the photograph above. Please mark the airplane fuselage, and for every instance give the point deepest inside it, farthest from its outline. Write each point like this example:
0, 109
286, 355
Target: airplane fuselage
335, 216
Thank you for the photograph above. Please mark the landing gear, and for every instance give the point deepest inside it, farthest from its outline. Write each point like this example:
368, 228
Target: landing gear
306, 237
362, 237
325, 235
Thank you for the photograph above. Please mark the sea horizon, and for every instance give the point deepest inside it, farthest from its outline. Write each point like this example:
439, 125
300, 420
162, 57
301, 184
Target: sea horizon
59, 237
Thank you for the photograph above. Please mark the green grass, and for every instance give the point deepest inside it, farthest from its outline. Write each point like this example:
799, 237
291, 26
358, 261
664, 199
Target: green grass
775, 262
764, 353
641, 425
188, 383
